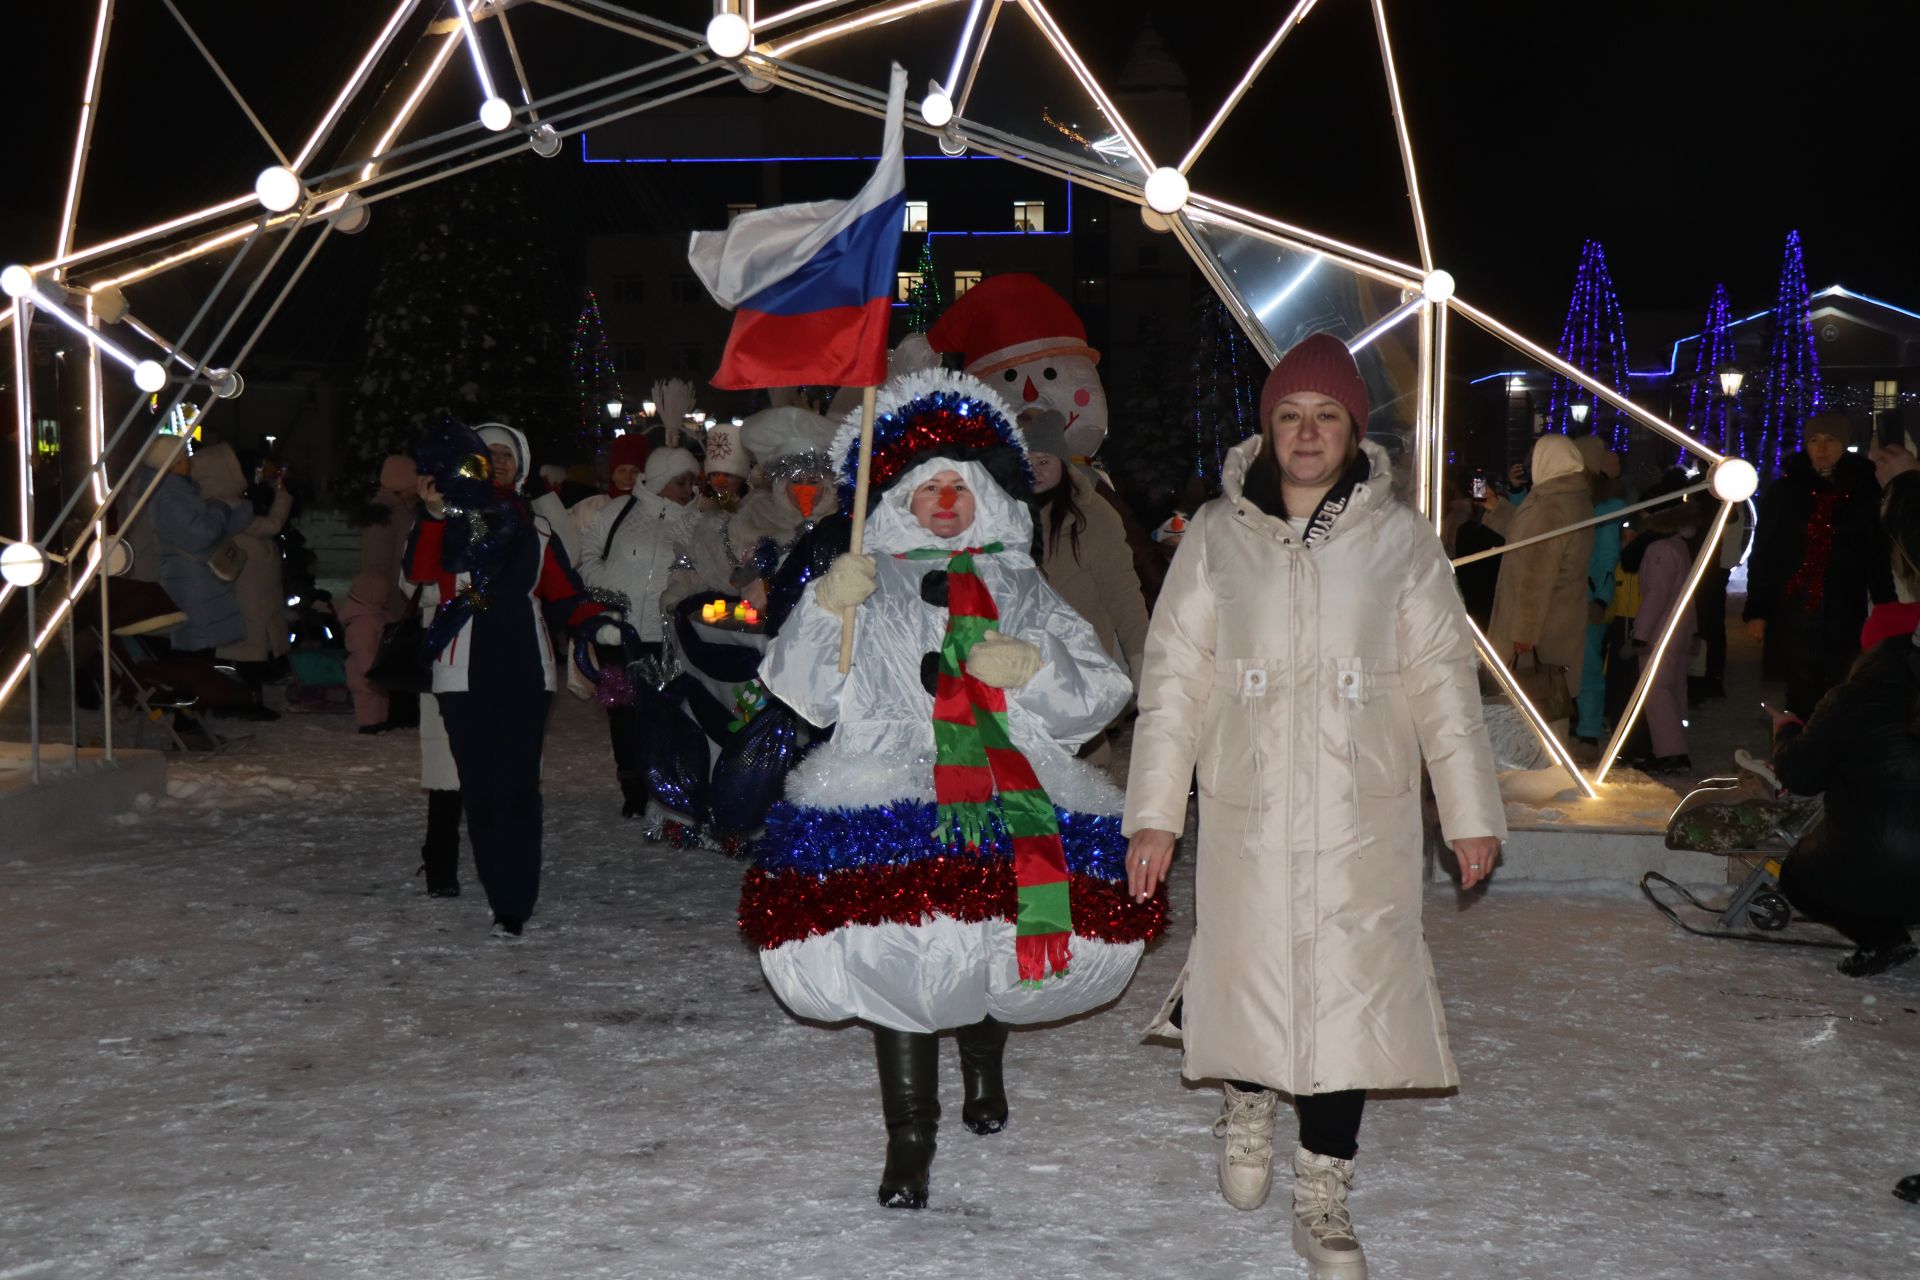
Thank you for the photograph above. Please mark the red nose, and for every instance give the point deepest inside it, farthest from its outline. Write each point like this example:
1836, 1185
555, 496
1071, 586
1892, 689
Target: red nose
948, 496
1032, 392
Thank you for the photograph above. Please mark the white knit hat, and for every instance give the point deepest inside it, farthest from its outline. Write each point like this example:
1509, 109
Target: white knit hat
727, 450
664, 464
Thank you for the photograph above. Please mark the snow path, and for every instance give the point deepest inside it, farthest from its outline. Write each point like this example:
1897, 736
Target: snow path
239, 1041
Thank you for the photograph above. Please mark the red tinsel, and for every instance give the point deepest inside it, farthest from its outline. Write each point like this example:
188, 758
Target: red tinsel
777, 909
1808, 586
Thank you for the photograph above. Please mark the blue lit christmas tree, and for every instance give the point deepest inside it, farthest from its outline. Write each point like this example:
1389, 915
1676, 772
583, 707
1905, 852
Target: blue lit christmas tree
1594, 340
1709, 411
1793, 366
1226, 377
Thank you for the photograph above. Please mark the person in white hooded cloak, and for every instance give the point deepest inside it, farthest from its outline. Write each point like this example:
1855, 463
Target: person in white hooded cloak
943, 862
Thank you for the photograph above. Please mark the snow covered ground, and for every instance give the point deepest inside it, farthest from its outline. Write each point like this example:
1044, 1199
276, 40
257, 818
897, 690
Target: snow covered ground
240, 1041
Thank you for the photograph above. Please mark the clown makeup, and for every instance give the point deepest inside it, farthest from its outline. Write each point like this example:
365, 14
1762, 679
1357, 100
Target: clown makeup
943, 505
506, 465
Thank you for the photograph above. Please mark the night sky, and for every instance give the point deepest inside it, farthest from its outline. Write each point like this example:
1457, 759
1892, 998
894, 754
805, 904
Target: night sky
1688, 136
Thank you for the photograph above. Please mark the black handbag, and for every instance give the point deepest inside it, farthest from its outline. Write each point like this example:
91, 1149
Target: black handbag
401, 664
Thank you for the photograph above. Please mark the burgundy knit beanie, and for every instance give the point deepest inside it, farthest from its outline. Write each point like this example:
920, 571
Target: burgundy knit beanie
1320, 363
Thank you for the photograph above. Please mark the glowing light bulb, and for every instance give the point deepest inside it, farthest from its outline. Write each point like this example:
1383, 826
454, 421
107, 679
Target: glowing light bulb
16, 281
1438, 286
936, 108
278, 188
23, 564
496, 114
1733, 480
149, 375
728, 35
1166, 190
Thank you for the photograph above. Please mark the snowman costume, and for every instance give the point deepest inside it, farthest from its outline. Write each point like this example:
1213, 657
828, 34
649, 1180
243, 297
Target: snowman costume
861, 909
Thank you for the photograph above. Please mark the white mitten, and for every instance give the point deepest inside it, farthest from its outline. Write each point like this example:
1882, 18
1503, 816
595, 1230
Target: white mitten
1003, 661
608, 634
847, 583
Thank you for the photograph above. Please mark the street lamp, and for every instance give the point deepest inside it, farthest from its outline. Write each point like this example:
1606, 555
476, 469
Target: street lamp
1580, 409
646, 408
614, 407
1730, 380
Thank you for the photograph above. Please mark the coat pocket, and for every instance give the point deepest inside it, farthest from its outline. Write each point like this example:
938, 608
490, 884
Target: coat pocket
1382, 751
1228, 761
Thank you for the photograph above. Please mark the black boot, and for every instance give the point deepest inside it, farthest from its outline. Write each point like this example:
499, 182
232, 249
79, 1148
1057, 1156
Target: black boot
982, 1046
909, 1064
440, 855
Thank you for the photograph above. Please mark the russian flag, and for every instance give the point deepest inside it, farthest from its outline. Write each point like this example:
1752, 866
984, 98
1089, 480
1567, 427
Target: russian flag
811, 285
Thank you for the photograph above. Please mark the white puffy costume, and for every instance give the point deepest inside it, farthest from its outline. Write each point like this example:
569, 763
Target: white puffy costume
860, 911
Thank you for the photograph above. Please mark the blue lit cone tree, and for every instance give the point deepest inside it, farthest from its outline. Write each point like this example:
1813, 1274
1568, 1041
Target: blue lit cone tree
1792, 373
1710, 417
1593, 340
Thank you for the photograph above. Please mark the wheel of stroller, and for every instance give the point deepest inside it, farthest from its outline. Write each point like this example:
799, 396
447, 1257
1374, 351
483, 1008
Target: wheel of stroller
1770, 911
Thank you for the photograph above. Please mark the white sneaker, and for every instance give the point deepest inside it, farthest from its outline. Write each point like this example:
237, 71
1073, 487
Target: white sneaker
1322, 1227
1246, 1160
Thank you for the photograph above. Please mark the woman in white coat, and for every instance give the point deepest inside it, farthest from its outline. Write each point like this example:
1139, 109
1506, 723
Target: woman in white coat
1307, 652
629, 547
943, 861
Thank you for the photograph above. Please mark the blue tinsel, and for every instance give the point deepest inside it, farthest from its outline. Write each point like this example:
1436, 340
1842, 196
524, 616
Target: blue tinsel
818, 841
893, 429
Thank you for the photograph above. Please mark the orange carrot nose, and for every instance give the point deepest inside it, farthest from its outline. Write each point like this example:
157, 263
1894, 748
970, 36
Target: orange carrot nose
804, 496
948, 496
1031, 392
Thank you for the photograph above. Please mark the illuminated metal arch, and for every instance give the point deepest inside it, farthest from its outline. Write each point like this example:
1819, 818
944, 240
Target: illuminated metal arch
93, 278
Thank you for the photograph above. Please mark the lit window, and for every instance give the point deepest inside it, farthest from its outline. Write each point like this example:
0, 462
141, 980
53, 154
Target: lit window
1029, 215
735, 210
916, 216
964, 280
1886, 395
904, 283
629, 289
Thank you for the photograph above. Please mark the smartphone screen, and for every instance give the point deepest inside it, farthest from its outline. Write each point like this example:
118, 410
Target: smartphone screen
1479, 486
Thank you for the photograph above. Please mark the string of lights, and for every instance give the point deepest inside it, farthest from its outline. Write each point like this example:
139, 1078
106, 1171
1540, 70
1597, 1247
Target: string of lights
1594, 340
1793, 366
1709, 410
596, 383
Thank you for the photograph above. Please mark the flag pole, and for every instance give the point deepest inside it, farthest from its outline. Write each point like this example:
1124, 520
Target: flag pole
859, 538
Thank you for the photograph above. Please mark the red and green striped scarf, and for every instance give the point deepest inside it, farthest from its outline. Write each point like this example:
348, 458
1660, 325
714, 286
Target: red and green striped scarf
978, 773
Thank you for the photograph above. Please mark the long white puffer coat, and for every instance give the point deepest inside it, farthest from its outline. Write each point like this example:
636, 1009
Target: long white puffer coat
1307, 685
941, 972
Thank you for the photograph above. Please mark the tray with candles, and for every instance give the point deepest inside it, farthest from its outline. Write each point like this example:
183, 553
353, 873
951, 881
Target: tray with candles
727, 613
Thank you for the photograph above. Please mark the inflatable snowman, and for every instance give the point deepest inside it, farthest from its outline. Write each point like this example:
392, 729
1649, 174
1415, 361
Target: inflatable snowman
1023, 340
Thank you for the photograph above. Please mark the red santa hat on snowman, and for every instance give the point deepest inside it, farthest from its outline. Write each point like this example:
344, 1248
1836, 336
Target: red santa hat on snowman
1006, 329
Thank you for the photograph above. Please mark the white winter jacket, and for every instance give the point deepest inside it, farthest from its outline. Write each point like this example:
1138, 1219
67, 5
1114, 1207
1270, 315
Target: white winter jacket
1307, 685
636, 558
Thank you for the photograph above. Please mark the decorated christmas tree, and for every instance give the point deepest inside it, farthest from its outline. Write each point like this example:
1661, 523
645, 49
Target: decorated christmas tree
466, 320
596, 385
1792, 375
924, 303
1710, 417
1593, 340
1226, 376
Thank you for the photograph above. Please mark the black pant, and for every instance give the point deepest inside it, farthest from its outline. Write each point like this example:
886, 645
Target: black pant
496, 740
1329, 1122
621, 725
1869, 900
441, 849
1710, 621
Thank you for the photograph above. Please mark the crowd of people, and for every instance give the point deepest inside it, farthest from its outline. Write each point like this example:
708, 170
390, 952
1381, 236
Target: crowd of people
943, 849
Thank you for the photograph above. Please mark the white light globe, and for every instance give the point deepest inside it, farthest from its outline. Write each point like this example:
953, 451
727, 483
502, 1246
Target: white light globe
496, 114
16, 281
1166, 191
936, 108
545, 142
149, 375
278, 188
1438, 286
1733, 480
727, 35
23, 564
